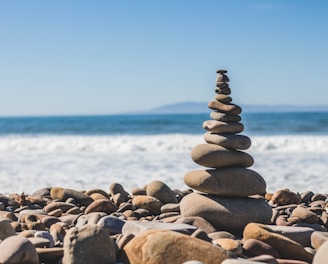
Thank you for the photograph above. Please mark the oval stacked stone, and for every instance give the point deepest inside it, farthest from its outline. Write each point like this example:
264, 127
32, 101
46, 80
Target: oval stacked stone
227, 174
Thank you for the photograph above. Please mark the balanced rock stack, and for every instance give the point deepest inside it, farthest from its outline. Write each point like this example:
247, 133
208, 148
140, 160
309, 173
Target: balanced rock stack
230, 195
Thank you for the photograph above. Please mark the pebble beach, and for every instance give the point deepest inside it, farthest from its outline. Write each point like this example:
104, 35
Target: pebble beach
223, 210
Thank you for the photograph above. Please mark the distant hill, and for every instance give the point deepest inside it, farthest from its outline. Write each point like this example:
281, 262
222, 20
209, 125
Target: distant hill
201, 107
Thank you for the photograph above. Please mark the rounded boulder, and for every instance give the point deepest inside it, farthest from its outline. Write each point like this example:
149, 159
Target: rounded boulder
163, 246
161, 191
88, 244
224, 213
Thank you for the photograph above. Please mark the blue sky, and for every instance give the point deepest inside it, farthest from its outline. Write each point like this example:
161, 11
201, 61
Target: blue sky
103, 57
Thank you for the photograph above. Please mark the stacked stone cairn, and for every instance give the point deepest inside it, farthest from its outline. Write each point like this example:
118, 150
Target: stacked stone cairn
230, 194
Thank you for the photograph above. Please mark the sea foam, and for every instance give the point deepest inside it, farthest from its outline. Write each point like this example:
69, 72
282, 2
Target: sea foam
84, 162
153, 143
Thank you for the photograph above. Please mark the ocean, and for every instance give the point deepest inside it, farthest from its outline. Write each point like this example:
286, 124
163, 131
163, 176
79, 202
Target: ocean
84, 152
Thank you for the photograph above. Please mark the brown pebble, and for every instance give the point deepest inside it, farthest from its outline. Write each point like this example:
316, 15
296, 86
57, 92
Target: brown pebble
284, 197
101, 205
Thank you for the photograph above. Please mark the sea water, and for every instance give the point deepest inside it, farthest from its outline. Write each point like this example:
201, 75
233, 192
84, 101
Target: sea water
84, 152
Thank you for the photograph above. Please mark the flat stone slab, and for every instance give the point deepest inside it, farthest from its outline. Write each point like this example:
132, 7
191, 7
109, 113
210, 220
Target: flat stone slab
286, 247
223, 127
219, 116
137, 227
214, 156
233, 181
225, 99
229, 108
228, 140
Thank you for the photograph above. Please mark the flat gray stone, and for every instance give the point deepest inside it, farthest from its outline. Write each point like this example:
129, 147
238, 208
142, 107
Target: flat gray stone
214, 156
229, 141
137, 227
301, 235
221, 127
219, 116
231, 109
112, 224
232, 181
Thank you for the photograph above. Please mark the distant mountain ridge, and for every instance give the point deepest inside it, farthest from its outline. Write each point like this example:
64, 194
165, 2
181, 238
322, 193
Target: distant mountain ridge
201, 107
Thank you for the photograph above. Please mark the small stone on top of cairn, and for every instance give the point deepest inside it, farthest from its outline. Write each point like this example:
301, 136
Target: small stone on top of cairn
226, 185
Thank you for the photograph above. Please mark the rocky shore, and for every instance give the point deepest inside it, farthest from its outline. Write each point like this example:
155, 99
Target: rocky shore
147, 225
225, 217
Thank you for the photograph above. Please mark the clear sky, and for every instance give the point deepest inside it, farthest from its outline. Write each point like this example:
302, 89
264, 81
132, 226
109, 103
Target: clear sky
103, 57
